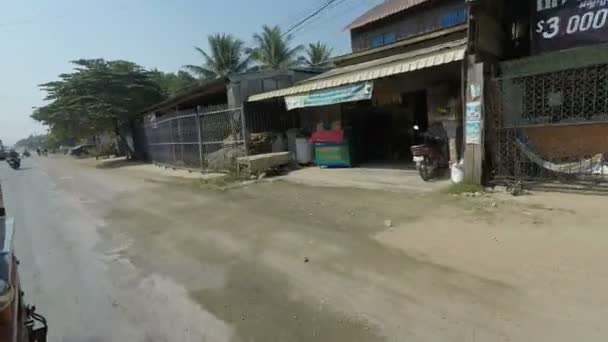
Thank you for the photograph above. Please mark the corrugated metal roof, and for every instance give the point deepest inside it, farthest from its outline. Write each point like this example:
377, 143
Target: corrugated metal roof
207, 87
384, 67
385, 9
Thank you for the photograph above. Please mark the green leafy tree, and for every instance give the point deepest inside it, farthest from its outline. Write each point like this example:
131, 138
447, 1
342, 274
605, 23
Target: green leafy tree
173, 83
33, 141
183, 81
273, 50
98, 96
226, 56
318, 55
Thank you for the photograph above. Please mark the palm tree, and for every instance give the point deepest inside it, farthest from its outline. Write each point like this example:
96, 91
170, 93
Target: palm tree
272, 49
318, 54
227, 57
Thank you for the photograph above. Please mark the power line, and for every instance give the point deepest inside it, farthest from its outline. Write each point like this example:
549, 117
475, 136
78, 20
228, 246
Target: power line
315, 15
315, 12
320, 18
295, 16
312, 15
319, 23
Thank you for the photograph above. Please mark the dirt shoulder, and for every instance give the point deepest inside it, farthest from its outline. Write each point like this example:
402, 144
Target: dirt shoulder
287, 262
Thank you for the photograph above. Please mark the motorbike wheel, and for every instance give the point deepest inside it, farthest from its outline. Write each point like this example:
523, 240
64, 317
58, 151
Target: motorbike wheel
426, 170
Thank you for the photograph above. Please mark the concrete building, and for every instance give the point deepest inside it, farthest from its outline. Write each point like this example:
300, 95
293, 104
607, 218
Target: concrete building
405, 70
545, 99
209, 125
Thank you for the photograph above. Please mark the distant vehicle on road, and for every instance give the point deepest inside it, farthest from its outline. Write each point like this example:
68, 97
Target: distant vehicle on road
15, 163
3, 152
13, 159
80, 150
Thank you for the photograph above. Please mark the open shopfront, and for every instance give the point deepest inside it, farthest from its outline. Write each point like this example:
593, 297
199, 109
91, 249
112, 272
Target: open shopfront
375, 105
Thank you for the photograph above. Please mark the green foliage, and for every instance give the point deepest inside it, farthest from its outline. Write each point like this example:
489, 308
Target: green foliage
97, 96
104, 150
273, 51
183, 80
33, 141
318, 55
226, 56
461, 188
55, 140
173, 83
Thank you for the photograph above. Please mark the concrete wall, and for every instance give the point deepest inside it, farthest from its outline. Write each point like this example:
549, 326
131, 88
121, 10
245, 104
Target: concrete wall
325, 117
576, 141
442, 85
556, 61
448, 13
448, 74
405, 46
444, 102
241, 87
239, 90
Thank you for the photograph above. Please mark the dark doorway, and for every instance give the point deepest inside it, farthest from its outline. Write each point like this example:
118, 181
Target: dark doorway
421, 117
384, 134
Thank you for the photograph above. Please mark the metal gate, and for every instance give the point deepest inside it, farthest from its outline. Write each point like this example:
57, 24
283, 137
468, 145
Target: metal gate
550, 127
205, 138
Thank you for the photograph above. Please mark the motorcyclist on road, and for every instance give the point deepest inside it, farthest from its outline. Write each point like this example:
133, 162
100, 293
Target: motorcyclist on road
13, 154
13, 159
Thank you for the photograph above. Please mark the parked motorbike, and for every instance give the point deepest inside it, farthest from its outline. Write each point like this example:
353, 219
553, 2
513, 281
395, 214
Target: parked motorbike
430, 157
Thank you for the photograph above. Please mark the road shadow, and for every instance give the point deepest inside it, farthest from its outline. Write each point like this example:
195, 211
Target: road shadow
20, 169
118, 163
261, 306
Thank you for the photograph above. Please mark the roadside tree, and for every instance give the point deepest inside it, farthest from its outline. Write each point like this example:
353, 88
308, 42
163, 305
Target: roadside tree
272, 49
226, 56
98, 96
318, 55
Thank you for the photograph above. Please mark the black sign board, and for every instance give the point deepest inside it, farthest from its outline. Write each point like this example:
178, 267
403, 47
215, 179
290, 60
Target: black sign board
562, 24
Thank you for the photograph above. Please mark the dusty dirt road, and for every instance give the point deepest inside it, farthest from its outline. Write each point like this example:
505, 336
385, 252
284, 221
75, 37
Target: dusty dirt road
115, 255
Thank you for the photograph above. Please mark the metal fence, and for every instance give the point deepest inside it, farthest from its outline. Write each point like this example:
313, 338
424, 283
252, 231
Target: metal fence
550, 127
205, 138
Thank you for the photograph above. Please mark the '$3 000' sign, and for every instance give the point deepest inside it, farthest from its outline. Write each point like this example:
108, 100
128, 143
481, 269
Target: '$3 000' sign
561, 24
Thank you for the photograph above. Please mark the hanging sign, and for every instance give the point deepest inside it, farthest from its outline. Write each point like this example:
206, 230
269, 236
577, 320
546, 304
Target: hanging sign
563, 24
329, 96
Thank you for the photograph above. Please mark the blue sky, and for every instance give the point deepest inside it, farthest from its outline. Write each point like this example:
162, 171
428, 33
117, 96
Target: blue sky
39, 37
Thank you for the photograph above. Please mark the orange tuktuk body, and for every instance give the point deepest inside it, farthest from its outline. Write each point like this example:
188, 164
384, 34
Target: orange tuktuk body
17, 320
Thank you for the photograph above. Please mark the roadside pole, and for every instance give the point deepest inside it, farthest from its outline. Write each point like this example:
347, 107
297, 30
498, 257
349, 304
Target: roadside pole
200, 137
244, 130
2, 209
474, 122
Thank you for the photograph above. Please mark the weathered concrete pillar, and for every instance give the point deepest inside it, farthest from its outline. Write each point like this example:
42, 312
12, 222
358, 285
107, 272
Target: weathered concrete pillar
474, 122
444, 106
451, 126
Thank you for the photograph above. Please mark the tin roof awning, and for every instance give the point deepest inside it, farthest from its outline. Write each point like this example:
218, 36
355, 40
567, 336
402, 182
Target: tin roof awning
383, 67
384, 10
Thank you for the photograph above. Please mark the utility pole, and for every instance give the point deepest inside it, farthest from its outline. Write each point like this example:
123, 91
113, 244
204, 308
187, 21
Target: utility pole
2, 209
